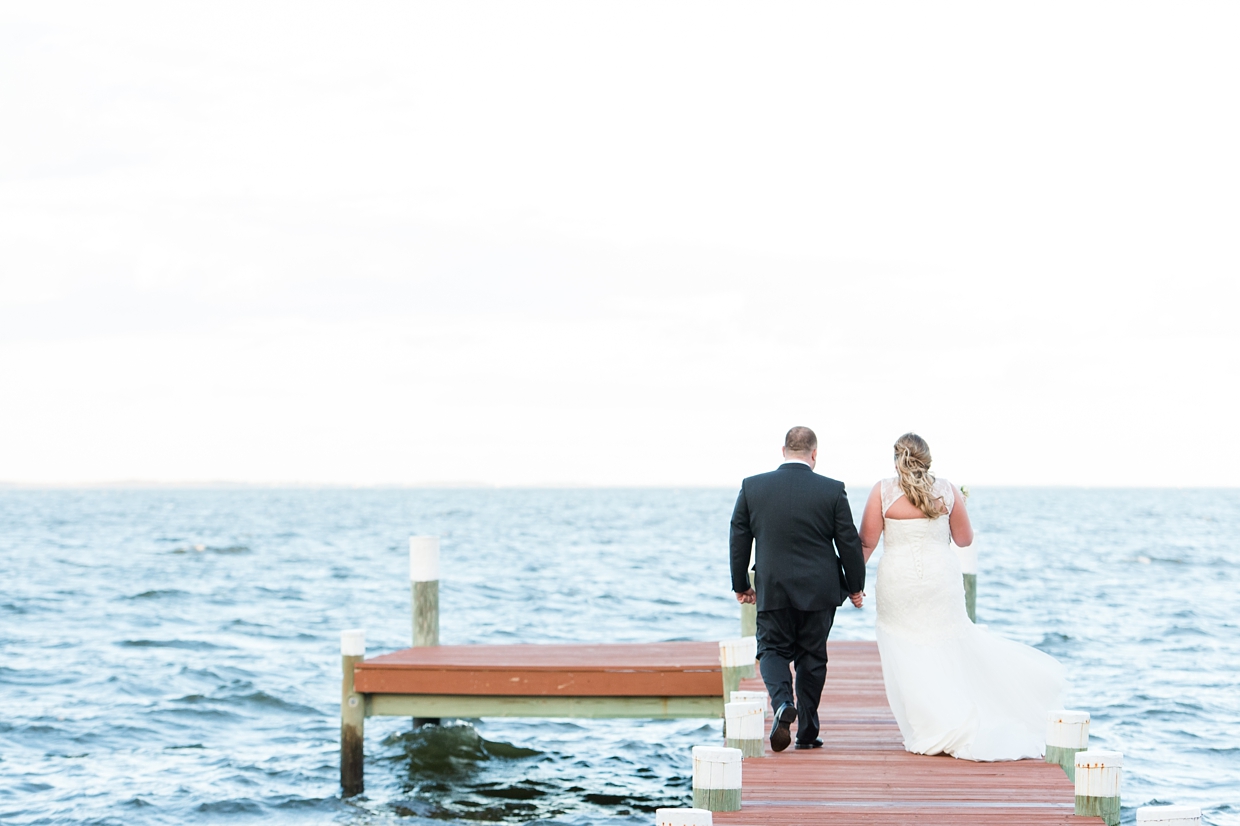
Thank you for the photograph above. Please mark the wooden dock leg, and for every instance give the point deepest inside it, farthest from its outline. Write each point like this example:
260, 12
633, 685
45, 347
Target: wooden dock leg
1067, 732
717, 778
352, 715
683, 817
1168, 815
1098, 775
424, 589
744, 727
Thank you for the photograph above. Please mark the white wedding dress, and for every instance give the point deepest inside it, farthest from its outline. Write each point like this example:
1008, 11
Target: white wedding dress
954, 688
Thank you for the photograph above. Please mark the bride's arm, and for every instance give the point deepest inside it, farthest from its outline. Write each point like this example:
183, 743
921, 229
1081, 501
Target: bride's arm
872, 522
962, 528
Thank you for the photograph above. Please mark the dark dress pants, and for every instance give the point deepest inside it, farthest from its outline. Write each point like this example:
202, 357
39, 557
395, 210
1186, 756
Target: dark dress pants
788, 636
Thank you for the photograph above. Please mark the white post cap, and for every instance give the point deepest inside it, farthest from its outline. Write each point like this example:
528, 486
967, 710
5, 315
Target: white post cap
744, 721
716, 768
1098, 773
738, 652
967, 557
751, 649
739, 709
353, 643
423, 559
1099, 759
683, 817
1170, 815
1067, 729
749, 697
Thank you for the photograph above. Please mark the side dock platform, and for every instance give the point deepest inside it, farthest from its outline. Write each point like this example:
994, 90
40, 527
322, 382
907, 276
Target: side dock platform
650, 681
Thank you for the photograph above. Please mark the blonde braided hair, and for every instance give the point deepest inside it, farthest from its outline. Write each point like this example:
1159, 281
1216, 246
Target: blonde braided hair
916, 480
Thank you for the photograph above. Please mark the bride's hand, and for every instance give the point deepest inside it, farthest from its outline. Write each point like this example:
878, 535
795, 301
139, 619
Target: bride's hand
857, 598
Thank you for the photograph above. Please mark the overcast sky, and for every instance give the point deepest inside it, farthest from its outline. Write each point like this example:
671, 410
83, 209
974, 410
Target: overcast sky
618, 243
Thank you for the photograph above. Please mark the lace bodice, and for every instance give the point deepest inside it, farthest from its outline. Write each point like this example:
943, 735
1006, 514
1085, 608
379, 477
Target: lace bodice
891, 491
920, 592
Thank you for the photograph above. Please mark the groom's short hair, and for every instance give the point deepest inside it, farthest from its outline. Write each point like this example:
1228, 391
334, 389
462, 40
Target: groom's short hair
800, 440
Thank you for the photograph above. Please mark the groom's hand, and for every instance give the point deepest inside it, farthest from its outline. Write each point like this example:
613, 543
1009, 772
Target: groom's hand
857, 598
746, 597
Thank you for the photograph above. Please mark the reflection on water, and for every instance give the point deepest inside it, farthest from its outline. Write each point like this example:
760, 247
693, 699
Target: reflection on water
172, 656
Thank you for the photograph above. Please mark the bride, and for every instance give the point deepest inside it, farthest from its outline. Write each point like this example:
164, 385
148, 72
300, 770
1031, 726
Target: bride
953, 687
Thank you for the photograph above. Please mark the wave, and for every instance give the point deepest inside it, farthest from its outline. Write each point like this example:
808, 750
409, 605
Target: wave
160, 594
212, 549
259, 700
188, 645
452, 749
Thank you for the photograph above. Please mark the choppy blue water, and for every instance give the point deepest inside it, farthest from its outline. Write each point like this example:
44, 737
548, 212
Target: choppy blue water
172, 656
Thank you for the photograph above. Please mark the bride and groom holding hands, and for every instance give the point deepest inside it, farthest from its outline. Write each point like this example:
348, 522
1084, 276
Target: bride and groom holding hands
954, 688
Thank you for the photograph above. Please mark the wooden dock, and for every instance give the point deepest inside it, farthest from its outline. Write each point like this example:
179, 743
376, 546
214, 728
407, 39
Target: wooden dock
863, 775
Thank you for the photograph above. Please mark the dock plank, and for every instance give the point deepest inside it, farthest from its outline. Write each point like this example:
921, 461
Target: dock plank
862, 775
670, 669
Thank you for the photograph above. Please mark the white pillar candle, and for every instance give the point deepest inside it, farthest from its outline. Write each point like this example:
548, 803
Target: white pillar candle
683, 817
1170, 815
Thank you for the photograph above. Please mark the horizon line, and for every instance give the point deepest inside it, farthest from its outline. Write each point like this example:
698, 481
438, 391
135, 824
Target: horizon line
139, 484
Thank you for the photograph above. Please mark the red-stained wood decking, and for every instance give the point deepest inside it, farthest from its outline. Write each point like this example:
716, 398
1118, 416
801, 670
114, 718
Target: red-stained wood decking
862, 775
668, 669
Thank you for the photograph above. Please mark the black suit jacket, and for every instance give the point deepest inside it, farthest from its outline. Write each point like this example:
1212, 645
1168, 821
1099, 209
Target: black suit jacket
808, 555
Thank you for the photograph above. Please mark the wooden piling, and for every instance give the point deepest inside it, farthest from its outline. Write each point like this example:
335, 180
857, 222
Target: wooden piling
1067, 733
424, 590
352, 715
716, 778
968, 567
749, 616
737, 657
1098, 776
744, 727
424, 584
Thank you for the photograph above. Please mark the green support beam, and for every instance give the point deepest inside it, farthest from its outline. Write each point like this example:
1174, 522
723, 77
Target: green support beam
467, 706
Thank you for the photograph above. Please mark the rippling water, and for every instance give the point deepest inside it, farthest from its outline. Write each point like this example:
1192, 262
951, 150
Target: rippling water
172, 655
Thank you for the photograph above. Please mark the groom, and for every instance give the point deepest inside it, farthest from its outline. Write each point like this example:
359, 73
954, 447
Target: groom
795, 515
